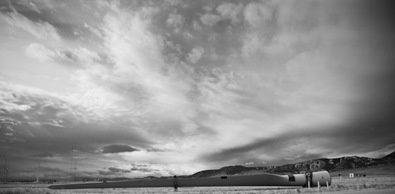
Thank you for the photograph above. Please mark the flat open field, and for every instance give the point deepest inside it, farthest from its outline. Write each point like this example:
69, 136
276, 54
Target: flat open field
387, 170
369, 184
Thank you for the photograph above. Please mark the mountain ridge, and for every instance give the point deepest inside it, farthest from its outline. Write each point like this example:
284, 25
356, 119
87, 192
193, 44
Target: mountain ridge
329, 164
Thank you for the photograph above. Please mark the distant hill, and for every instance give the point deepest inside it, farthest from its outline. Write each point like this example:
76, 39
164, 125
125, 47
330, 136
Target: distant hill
331, 165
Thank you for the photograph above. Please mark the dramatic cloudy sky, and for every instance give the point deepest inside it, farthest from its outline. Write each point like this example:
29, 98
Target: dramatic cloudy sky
138, 88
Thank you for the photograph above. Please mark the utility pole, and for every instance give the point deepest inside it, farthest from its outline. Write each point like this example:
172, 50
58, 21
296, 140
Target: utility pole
75, 168
72, 171
5, 170
38, 172
71, 167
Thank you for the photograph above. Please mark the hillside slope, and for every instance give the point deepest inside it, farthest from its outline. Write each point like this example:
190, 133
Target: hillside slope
331, 165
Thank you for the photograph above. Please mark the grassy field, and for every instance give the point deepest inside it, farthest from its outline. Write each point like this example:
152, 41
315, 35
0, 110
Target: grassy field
387, 170
342, 184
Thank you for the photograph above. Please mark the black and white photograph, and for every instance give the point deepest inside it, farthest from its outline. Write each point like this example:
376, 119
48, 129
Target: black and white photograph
197, 96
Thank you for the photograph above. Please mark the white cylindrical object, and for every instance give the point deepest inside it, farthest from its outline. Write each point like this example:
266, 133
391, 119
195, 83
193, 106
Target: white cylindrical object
322, 177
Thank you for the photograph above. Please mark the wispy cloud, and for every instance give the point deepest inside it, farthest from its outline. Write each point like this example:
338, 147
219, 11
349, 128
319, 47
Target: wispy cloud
113, 171
118, 149
41, 30
77, 56
231, 11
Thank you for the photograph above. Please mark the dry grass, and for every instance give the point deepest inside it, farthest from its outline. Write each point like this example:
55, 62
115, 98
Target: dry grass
362, 183
196, 190
25, 191
338, 184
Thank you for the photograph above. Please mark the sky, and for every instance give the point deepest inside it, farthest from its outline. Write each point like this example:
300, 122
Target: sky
160, 88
